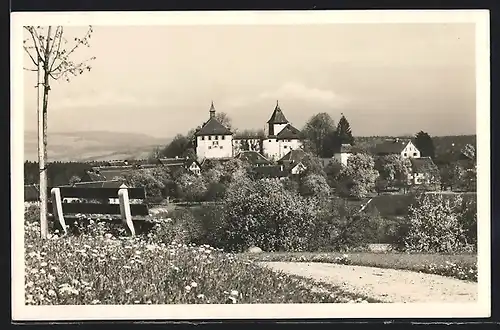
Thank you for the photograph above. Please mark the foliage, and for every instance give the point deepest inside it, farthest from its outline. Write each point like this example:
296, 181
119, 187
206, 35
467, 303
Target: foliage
59, 173
191, 187
343, 132
180, 146
424, 144
313, 165
265, 214
74, 179
394, 170
318, 131
224, 119
358, 178
437, 225
314, 185
452, 176
146, 178
333, 171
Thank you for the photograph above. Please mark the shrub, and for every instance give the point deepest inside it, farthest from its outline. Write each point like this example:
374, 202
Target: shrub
191, 187
436, 225
314, 185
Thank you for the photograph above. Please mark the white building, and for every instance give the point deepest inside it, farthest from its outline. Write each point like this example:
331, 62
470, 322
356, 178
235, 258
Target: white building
282, 137
405, 148
342, 155
213, 140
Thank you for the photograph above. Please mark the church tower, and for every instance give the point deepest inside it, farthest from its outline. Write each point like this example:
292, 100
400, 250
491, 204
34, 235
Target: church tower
277, 121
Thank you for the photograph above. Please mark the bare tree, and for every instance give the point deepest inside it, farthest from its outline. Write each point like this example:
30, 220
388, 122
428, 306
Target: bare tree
51, 54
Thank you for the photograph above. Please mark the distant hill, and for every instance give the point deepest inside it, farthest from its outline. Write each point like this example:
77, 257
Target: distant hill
92, 145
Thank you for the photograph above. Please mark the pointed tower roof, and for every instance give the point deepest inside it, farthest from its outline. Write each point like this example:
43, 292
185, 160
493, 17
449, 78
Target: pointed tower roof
213, 126
277, 117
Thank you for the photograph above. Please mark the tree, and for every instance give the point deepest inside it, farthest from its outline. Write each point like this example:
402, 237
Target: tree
394, 170
224, 119
343, 133
424, 143
314, 185
317, 130
192, 187
452, 176
51, 54
358, 178
180, 146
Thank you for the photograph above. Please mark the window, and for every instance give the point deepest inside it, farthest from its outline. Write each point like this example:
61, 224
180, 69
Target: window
215, 143
269, 140
223, 137
415, 154
285, 147
220, 147
216, 137
203, 138
405, 154
209, 147
209, 137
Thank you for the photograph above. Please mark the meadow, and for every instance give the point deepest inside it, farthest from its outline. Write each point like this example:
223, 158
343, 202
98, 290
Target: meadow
100, 265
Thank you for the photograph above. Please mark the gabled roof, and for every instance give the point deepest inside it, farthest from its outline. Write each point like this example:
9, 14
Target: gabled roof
288, 133
423, 165
100, 184
293, 156
395, 146
109, 174
277, 117
253, 157
213, 127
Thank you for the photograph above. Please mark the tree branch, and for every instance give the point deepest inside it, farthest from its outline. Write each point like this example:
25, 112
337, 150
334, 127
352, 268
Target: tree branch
78, 43
32, 59
32, 33
58, 48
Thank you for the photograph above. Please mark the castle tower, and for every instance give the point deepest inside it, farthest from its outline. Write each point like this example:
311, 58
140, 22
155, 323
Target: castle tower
277, 121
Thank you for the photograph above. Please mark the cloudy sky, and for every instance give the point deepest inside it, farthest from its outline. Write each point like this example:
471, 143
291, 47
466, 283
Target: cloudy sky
387, 79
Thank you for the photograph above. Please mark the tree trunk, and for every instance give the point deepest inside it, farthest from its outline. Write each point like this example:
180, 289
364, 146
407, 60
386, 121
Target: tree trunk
43, 98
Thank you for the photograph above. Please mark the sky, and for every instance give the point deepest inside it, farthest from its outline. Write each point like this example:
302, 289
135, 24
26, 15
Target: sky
387, 79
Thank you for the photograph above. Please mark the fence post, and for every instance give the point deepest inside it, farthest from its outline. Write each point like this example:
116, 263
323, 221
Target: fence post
125, 210
57, 208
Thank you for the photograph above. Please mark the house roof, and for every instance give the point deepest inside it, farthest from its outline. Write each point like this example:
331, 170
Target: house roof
293, 156
113, 173
173, 162
289, 133
272, 171
391, 147
277, 117
213, 127
253, 157
422, 165
31, 193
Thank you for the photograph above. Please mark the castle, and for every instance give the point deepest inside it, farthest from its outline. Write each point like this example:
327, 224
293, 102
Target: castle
214, 140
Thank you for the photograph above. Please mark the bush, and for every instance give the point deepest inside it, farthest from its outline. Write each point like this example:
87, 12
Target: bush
436, 225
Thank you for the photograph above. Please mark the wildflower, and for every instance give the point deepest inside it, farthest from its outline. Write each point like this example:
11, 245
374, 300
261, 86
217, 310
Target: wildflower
42, 271
127, 267
51, 293
148, 302
232, 300
95, 301
187, 288
194, 284
30, 284
54, 268
200, 296
34, 271
136, 301
128, 291
51, 278
234, 293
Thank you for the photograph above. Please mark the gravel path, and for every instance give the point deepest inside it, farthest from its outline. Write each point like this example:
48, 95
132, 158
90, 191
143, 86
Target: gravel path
386, 285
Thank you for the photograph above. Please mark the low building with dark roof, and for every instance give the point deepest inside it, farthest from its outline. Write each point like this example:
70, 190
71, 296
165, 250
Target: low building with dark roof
31, 193
269, 172
253, 158
187, 164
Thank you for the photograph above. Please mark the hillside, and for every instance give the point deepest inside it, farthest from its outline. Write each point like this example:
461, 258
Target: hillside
92, 145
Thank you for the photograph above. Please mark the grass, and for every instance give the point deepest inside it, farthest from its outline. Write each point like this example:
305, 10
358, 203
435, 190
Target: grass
461, 266
101, 266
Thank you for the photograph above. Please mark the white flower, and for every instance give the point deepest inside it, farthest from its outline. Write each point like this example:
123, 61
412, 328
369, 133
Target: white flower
51, 292
194, 284
43, 264
188, 288
95, 301
200, 296
234, 293
128, 291
233, 300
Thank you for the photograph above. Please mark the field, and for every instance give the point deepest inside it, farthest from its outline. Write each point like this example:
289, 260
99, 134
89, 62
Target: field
101, 266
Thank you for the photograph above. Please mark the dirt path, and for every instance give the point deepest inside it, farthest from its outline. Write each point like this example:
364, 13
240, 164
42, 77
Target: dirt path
386, 285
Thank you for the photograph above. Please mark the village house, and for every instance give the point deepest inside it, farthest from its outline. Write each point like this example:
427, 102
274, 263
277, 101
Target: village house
270, 172
423, 171
187, 164
292, 161
403, 147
